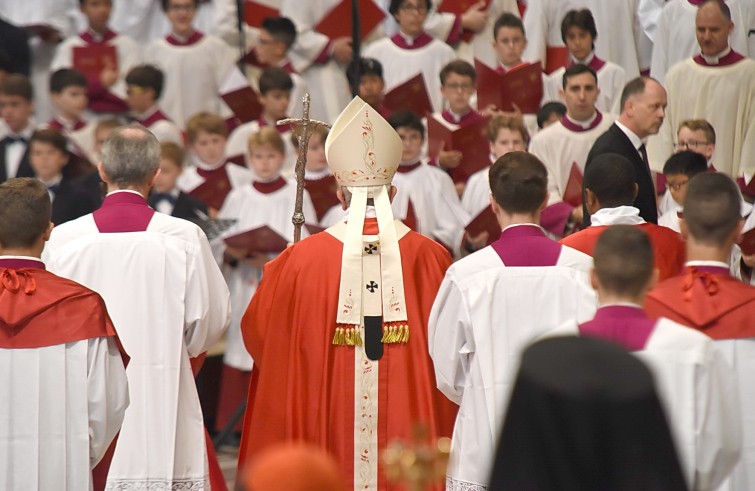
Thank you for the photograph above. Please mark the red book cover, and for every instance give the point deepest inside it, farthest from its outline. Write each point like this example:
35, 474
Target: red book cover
213, 190
255, 13
337, 22
244, 104
573, 191
259, 240
485, 222
323, 194
556, 57
92, 59
471, 140
411, 96
522, 86
459, 7
748, 243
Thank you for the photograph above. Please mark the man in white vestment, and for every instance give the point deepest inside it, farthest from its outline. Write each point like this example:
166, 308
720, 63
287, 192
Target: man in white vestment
168, 298
716, 85
695, 382
492, 304
63, 381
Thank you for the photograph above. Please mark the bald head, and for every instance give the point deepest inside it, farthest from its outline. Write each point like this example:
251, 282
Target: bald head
643, 106
130, 156
713, 26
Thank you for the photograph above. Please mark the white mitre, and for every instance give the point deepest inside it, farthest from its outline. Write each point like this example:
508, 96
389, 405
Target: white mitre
364, 151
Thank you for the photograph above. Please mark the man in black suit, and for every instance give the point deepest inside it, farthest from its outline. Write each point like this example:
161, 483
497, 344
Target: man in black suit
643, 107
16, 108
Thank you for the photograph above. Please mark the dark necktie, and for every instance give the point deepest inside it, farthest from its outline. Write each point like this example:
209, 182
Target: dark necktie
160, 197
644, 154
54, 188
14, 139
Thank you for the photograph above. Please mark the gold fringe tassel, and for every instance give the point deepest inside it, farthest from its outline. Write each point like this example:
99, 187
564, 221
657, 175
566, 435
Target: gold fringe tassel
395, 333
347, 335
350, 335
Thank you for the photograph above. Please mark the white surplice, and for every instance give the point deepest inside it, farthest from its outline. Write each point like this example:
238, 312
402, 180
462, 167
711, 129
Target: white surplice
62, 406
435, 203
253, 209
169, 302
476, 195
484, 316
696, 385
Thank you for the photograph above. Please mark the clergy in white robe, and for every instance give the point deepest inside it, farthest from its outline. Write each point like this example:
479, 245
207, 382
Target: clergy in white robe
616, 19
168, 298
675, 38
491, 305
716, 85
63, 381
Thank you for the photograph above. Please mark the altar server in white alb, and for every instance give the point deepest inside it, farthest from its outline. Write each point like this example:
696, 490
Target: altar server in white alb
169, 300
495, 302
694, 381
618, 19
195, 65
716, 85
579, 33
412, 51
569, 141
107, 92
62, 383
675, 37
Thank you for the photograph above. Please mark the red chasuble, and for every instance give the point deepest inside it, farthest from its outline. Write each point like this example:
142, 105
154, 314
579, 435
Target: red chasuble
303, 386
38, 308
708, 299
668, 247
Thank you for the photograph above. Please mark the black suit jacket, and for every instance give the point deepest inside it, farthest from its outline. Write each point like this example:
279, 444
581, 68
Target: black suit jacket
71, 201
24, 168
186, 206
615, 141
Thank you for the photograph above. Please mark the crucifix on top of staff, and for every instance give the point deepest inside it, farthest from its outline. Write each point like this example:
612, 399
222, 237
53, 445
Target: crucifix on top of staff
307, 126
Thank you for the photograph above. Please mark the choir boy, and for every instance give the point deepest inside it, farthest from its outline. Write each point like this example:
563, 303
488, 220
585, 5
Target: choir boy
578, 32
206, 136
275, 86
549, 113
490, 307
678, 170
318, 180
426, 200
267, 201
144, 86
106, 91
371, 84
166, 197
412, 51
16, 109
708, 299
695, 382
68, 92
63, 381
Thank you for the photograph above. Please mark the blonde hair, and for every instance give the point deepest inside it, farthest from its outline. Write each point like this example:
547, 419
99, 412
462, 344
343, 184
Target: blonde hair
700, 125
267, 136
173, 152
207, 122
509, 122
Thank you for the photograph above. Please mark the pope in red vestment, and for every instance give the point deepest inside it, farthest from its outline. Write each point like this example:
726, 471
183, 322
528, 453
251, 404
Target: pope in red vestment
322, 373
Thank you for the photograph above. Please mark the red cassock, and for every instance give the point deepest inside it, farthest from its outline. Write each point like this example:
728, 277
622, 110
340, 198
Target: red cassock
303, 386
708, 299
668, 246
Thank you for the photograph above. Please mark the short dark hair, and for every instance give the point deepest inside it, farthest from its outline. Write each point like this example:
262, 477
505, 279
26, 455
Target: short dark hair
15, 84
61, 79
577, 69
712, 208
634, 87
725, 10
459, 67
282, 29
51, 137
395, 5
507, 19
275, 78
406, 119
166, 3
25, 211
518, 182
623, 259
581, 19
687, 162
148, 77
549, 108
611, 179
366, 67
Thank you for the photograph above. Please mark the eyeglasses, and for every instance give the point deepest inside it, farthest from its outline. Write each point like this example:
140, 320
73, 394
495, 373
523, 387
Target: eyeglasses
676, 186
459, 87
420, 9
689, 145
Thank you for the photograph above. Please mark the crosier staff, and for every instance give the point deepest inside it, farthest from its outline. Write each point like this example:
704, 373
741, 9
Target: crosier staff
306, 125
